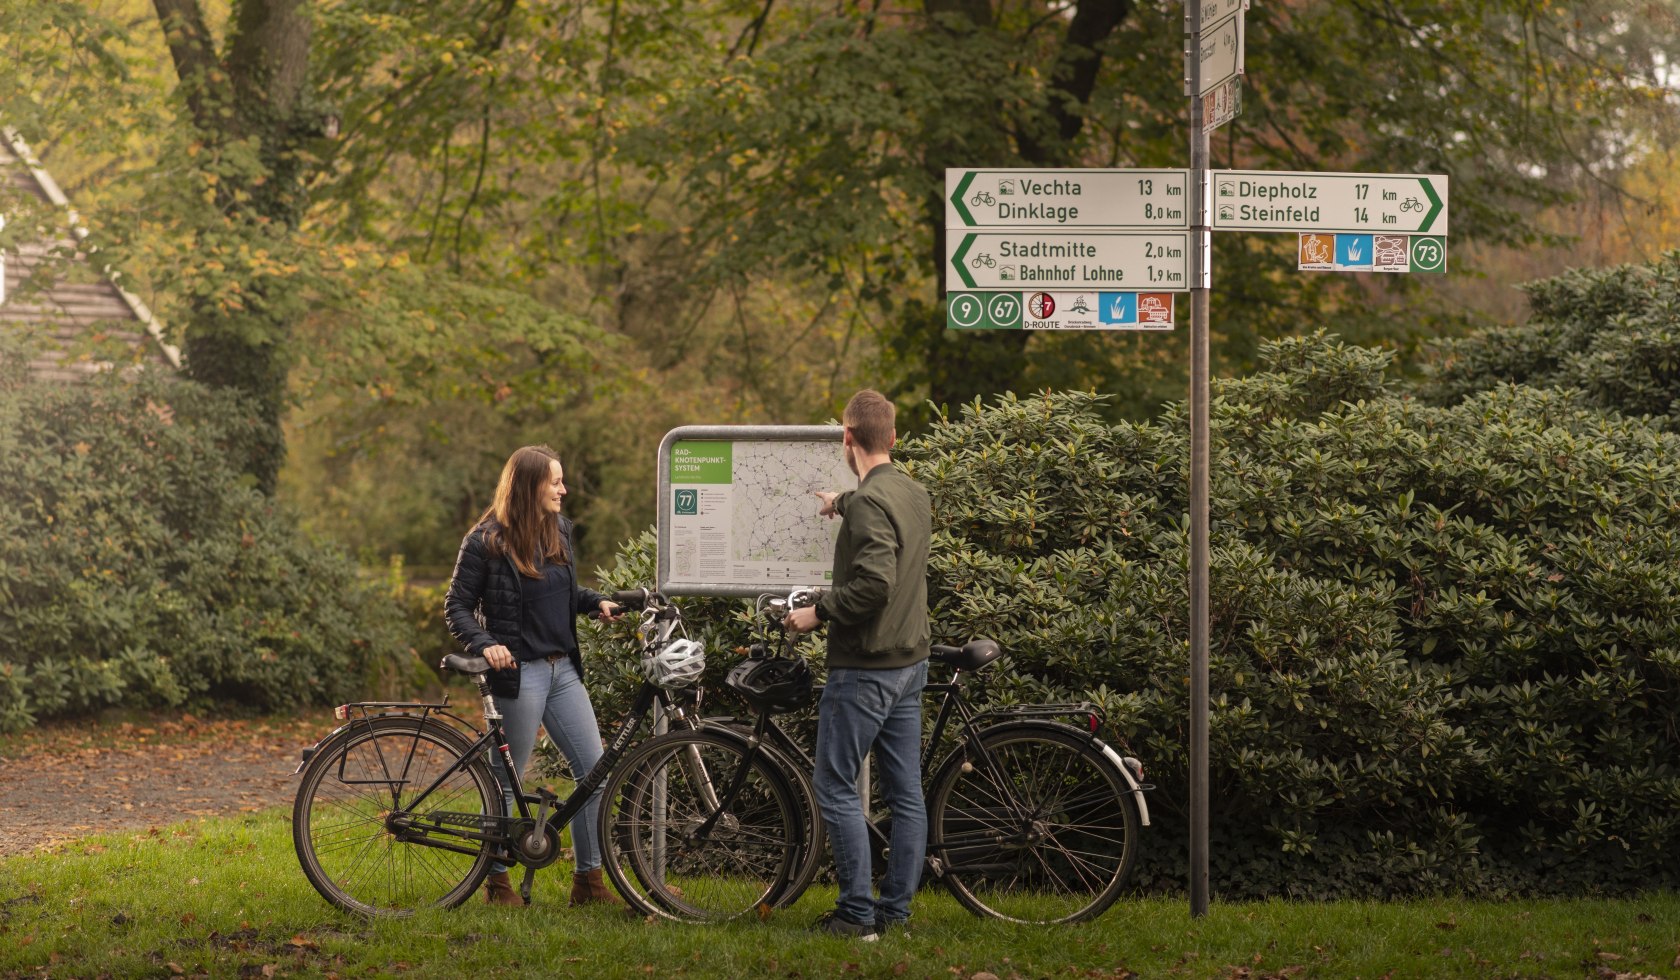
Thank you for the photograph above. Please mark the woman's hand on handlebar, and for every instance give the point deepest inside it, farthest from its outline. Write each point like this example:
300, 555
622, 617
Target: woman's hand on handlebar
610, 611
499, 657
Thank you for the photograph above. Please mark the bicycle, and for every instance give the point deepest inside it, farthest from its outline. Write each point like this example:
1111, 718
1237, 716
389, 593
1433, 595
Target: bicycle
398, 809
1030, 818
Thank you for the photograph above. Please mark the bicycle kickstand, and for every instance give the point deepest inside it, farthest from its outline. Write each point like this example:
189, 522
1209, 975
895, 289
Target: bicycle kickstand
525, 884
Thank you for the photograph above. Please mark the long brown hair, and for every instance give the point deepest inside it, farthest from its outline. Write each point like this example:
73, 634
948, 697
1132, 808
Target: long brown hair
517, 524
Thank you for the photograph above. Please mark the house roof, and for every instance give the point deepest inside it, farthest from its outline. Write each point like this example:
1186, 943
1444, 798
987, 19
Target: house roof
81, 308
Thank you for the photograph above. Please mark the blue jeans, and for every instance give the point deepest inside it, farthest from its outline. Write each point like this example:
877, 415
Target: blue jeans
552, 694
880, 708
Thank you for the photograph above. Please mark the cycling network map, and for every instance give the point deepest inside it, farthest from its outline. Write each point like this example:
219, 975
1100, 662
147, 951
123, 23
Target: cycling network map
743, 513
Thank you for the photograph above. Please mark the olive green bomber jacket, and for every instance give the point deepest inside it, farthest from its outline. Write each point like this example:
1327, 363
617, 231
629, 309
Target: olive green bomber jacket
877, 609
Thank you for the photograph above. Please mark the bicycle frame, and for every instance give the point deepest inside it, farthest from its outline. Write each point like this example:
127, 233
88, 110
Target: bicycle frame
552, 813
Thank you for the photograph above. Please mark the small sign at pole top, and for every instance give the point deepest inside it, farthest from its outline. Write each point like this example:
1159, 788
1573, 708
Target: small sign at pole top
1222, 105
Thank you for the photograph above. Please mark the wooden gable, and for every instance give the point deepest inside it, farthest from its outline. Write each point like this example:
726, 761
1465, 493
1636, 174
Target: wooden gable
87, 319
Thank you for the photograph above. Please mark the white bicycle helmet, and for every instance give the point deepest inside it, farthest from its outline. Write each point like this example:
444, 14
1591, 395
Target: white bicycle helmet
678, 664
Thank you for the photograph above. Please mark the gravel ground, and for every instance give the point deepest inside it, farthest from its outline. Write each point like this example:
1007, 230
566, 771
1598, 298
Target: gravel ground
65, 781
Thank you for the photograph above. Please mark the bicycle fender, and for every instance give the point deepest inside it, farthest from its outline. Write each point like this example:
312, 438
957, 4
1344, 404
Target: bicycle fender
1103, 747
1137, 790
309, 753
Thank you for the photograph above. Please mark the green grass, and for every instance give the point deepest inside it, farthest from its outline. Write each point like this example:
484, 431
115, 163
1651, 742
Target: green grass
225, 898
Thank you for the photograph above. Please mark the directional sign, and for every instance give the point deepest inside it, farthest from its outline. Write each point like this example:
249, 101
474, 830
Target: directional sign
1076, 260
1220, 49
1277, 200
1214, 11
1050, 199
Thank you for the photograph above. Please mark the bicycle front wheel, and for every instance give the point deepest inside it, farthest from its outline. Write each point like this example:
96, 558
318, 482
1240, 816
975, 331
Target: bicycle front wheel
364, 843
698, 827
1033, 825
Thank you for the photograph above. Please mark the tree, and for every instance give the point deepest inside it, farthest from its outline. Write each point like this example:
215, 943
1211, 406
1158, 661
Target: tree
848, 118
250, 113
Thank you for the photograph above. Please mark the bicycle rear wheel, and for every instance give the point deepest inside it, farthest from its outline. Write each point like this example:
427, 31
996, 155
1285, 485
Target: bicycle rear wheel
1038, 827
356, 793
696, 829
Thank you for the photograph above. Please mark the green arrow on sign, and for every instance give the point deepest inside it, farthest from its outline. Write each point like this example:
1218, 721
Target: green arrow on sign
962, 252
1434, 204
957, 199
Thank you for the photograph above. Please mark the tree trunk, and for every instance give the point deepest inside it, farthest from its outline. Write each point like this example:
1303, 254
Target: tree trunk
254, 91
961, 365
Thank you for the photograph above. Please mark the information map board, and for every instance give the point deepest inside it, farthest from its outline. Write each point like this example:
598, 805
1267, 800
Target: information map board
737, 510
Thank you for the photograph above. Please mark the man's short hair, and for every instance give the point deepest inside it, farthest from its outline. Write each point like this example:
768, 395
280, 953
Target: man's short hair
870, 416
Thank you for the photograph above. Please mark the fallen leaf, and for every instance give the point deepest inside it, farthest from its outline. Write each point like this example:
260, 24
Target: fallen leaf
175, 967
303, 943
1609, 956
984, 975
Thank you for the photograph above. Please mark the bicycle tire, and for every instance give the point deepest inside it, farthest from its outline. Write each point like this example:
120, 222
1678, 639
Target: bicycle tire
815, 839
672, 855
350, 786
1039, 827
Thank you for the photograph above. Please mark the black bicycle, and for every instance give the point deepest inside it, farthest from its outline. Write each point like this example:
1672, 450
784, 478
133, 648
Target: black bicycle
1031, 816
399, 809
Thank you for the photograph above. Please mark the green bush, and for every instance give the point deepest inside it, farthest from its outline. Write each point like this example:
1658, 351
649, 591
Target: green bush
139, 568
1445, 640
1614, 334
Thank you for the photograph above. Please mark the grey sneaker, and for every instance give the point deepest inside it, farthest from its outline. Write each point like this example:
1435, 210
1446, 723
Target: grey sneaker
830, 923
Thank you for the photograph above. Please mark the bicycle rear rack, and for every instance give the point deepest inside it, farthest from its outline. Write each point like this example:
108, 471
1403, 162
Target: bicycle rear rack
1083, 714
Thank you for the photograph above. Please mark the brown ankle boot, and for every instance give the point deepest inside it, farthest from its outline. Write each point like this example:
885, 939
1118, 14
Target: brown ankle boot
499, 891
589, 889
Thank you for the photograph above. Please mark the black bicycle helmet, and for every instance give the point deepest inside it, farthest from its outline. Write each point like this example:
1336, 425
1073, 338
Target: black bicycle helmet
776, 684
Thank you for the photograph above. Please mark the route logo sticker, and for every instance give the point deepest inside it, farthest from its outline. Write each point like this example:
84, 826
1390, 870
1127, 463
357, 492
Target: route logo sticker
1353, 253
1041, 306
1317, 251
1391, 253
1155, 310
1119, 309
1429, 253
687, 502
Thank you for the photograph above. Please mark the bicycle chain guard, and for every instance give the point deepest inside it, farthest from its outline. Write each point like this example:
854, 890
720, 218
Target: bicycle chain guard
536, 843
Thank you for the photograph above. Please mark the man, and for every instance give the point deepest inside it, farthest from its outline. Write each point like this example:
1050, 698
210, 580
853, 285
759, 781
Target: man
877, 665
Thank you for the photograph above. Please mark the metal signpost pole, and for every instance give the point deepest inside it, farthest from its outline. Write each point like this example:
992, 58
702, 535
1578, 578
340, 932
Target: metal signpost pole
1201, 250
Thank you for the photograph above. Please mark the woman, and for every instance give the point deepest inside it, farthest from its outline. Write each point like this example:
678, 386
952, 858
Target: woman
514, 600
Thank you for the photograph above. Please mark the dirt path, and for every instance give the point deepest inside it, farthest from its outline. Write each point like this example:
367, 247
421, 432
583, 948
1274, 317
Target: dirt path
65, 781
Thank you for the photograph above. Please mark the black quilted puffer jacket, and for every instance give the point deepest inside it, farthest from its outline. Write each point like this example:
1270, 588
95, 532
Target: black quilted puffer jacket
484, 608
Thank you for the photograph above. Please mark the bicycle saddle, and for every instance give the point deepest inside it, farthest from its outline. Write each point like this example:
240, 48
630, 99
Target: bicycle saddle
970, 656
465, 665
